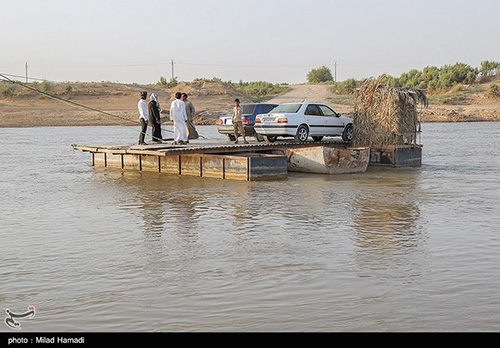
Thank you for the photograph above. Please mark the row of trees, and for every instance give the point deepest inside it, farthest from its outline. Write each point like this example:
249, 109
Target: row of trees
431, 78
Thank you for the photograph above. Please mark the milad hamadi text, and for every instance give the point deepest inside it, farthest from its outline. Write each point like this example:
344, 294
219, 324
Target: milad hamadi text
46, 340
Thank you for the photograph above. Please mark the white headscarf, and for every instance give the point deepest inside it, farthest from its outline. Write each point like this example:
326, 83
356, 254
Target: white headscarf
154, 98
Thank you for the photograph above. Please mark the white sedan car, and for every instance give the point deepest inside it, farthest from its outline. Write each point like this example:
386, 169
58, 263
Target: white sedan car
301, 120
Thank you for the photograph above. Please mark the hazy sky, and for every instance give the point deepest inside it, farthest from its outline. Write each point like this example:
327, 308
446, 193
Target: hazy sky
272, 40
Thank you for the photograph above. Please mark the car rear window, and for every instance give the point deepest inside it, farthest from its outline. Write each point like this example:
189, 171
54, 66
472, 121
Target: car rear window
248, 109
287, 109
267, 108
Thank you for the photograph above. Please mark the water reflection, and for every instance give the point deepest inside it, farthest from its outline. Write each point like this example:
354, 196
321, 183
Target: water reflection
167, 206
387, 218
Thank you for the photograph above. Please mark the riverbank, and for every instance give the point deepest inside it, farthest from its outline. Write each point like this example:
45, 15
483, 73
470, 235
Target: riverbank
25, 108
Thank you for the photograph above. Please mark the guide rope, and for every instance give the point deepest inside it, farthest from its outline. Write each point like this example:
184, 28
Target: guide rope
74, 104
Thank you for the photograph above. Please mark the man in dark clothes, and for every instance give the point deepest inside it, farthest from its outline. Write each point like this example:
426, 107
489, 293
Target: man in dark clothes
154, 111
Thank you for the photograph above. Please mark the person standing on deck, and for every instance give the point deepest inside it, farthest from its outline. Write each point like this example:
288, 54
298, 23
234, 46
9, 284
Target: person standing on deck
237, 121
154, 111
179, 116
143, 117
191, 129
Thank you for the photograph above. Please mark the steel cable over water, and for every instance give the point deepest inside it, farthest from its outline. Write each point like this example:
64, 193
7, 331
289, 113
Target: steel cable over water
74, 104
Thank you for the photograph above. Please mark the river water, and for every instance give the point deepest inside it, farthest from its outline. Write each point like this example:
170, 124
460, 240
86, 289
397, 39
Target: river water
386, 250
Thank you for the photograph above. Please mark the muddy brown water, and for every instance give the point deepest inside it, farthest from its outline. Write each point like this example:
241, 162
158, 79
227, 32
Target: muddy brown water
386, 250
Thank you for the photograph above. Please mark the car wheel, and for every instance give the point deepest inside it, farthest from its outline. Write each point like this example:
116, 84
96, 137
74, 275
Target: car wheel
259, 137
302, 133
318, 138
347, 134
231, 137
270, 138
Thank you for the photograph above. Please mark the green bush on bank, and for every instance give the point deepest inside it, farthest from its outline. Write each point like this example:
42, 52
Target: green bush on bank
7, 89
319, 75
431, 78
258, 90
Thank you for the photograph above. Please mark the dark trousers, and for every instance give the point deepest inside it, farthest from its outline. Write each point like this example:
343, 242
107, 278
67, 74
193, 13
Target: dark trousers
156, 130
144, 129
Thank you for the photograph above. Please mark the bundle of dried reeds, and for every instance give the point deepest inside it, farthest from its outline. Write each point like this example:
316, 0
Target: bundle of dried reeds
385, 115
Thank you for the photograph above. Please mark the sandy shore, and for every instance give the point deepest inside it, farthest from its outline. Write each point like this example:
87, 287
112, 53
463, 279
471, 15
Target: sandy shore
28, 109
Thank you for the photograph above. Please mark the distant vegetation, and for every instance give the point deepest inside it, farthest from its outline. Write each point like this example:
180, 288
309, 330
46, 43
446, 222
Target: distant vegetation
259, 90
45, 86
168, 84
433, 79
7, 89
319, 75
494, 91
255, 90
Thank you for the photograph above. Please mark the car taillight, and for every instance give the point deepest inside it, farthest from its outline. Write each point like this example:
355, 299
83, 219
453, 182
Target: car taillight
282, 120
221, 121
244, 120
257, 120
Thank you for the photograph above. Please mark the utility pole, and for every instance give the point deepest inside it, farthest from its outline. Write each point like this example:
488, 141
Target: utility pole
26, 66
335, 72
172, 69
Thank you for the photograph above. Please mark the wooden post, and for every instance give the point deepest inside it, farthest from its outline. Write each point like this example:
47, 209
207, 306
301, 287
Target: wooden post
248, 168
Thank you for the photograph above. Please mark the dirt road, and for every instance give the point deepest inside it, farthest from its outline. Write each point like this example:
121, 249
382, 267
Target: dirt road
305, 93
312, 94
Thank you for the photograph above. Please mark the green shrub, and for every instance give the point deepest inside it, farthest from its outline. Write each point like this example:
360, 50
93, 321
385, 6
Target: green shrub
170, 84
7, 89
345, 87
163, 81
489, 68
436, 79
321, 74
494, 91
45, 86
202, 79
258, 89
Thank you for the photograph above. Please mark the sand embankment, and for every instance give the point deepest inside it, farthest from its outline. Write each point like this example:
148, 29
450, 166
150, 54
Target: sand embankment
25, 108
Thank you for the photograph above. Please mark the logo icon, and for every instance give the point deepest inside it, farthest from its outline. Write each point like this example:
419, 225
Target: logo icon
14, 324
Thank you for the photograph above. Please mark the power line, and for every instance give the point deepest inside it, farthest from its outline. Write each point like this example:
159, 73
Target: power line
229, 65
28, 78
97, 66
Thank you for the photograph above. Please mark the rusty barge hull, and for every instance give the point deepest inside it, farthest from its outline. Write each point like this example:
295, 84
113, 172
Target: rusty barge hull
248, 162
396, 156
327, 159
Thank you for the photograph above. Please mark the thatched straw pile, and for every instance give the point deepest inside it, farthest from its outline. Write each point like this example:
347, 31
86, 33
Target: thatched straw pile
385, 115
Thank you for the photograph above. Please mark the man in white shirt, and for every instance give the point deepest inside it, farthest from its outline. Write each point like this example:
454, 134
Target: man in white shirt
143, 117
179, 116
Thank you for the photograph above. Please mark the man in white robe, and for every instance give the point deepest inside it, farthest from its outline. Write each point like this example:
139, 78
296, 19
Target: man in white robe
179, 116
